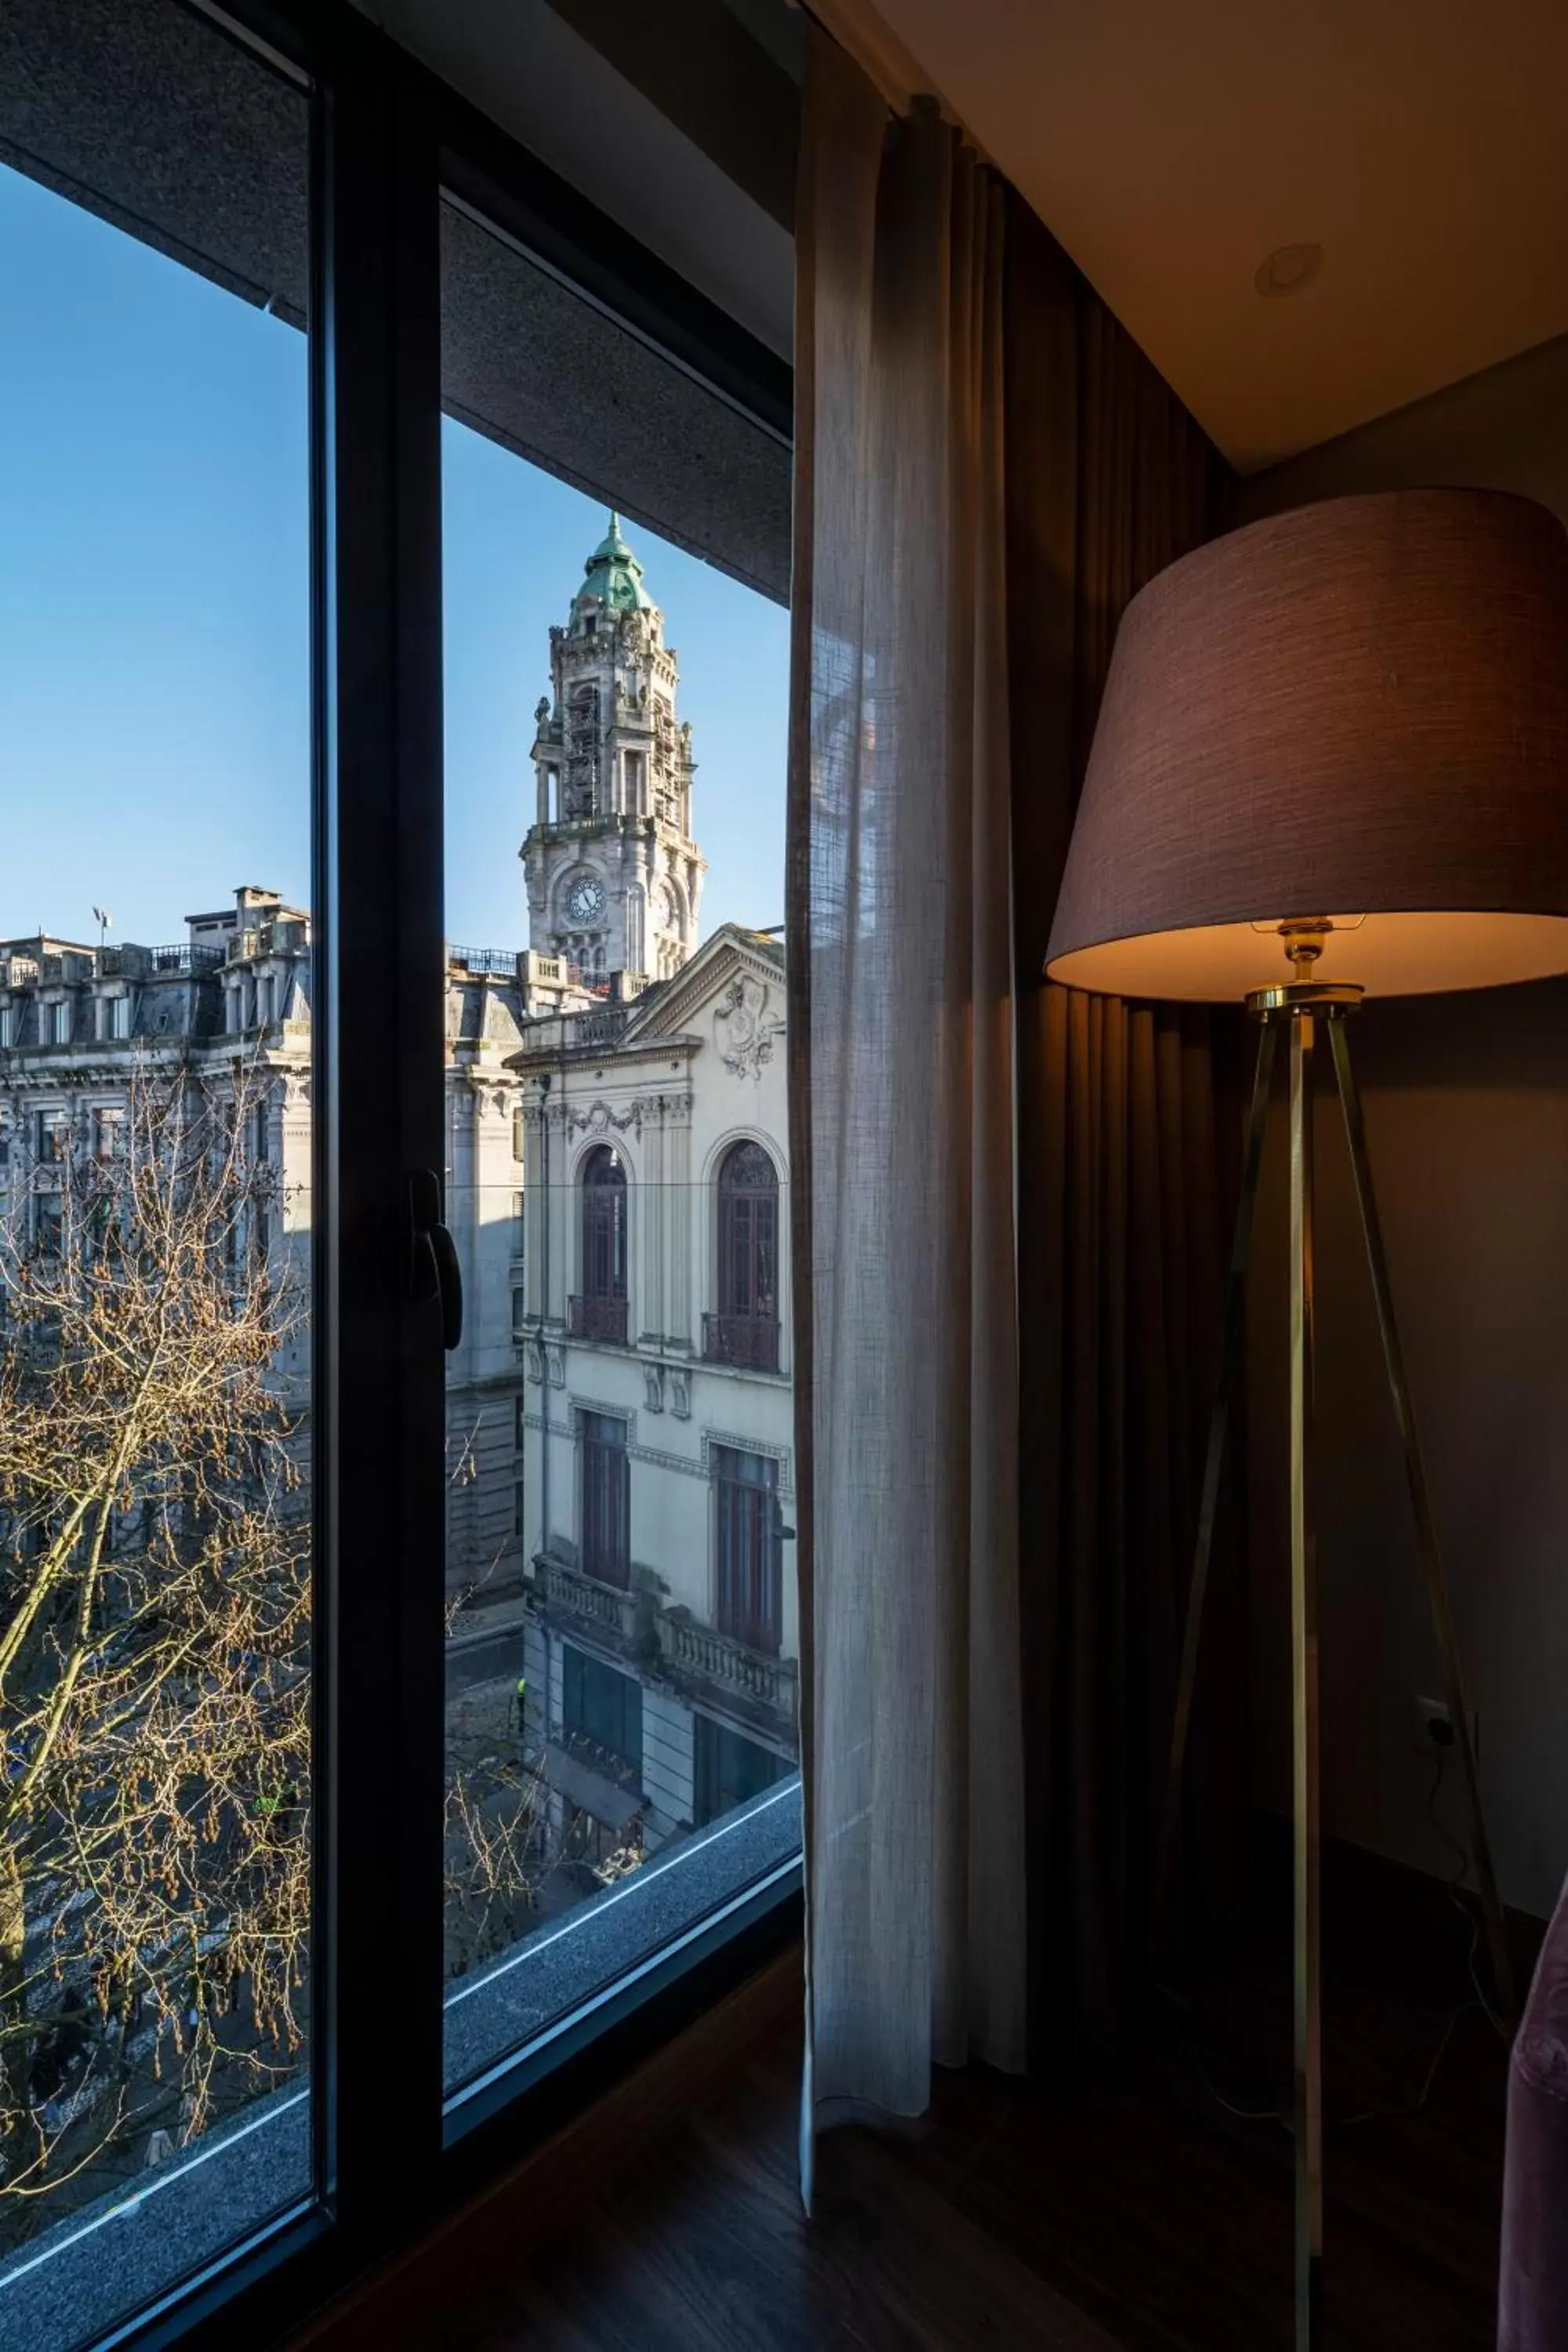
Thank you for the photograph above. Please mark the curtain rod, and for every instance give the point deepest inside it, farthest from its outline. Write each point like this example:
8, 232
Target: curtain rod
892, 68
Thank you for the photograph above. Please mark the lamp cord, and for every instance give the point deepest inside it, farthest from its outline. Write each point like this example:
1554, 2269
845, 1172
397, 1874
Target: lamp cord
1477, 2001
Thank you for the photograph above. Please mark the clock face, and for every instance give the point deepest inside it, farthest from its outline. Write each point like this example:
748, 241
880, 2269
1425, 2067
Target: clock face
586, 900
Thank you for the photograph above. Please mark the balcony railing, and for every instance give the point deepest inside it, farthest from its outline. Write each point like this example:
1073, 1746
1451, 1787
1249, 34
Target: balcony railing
597, 1318
601, 1607
184, 958
500, 962
671, 1642
602, 1028
729, 1667
748, 1342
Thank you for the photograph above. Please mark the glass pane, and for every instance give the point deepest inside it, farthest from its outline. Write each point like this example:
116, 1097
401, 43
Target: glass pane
622, 1659
155, 993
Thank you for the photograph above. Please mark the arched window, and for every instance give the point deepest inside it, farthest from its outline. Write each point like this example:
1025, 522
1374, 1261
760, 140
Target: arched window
599, 1311
745, 1330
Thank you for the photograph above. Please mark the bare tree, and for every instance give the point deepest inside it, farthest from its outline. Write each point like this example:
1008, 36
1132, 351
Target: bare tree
154, 1622
154, 1650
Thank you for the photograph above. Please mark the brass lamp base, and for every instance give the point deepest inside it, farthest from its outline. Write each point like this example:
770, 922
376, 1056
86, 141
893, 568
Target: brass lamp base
1304, 1005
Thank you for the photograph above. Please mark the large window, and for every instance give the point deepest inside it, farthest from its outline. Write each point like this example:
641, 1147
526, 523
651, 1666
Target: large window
599, 1312
730, 1771
621, 1050
606, 1500
157, 1788
749, 1549
601, 1709
745, 1330
269, 1336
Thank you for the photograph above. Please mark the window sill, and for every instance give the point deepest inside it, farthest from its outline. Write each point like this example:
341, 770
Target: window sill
504, 2018
537, 2006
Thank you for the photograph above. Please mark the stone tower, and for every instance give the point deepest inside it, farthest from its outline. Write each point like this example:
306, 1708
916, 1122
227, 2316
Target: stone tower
613, 875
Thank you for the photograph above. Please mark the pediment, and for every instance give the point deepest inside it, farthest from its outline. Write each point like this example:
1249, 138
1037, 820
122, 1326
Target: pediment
732, 991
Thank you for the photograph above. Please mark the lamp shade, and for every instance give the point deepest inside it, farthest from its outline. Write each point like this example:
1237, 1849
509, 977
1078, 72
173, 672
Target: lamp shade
1357, 712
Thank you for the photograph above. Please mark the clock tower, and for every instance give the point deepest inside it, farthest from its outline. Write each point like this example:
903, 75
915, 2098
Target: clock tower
614, 876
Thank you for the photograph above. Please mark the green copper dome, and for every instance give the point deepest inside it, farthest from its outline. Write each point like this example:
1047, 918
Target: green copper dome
614, 576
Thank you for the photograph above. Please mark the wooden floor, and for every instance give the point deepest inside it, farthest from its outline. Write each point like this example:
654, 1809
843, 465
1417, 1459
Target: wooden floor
1137, 2215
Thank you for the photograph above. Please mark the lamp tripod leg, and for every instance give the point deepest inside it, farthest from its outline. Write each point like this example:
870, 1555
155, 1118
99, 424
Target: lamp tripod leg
1208, 1506
1307, 1842
1427, 1533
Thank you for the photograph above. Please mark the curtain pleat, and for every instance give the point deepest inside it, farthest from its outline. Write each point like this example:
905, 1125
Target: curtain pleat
1138, 1112
915, 1861
1012, 1198
1128, 1118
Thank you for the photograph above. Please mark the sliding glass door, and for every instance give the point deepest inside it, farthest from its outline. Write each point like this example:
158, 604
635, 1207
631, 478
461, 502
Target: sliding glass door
616, 675
398, 1644
159, 974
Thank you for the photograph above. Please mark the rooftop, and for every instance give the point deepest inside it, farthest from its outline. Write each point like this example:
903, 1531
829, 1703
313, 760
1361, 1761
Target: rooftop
613, 576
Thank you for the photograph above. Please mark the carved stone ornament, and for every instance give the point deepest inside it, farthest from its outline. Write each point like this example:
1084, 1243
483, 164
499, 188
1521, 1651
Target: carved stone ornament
599, 1118
743, 1042
681, 1395
653, 1382
555, 1363
492, 1096
535, 1357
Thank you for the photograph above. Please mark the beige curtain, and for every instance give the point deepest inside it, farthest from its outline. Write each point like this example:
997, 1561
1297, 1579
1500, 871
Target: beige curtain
900, 864
1013, 1199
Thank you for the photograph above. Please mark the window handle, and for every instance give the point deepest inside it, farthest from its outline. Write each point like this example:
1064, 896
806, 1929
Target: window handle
433, 1268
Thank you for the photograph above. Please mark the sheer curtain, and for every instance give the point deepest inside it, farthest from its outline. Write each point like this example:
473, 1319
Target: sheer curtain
1013, 1198
901, 892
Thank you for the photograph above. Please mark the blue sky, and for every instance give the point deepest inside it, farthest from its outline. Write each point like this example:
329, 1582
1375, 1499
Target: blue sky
153, 647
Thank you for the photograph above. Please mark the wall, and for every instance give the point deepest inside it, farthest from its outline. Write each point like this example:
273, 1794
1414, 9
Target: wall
1466, 1113
484, 1377
1504, 429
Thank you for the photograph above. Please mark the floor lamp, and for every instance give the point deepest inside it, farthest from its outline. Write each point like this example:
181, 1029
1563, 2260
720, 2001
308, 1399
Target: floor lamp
1331, 764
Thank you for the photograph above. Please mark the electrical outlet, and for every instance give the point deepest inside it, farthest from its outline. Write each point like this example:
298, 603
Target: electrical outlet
1432, 1725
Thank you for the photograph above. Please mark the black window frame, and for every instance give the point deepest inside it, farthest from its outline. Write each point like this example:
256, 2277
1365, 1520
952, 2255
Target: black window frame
749, 1219
743, 1329
604, 1497
604, 1195
602, 1705
713, 1795
748, 1548
391, 2153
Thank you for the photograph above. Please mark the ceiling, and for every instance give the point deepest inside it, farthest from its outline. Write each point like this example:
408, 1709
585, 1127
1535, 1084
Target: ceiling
1172, 144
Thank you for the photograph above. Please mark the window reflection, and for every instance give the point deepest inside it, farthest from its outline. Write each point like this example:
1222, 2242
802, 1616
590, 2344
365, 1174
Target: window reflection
623, 1644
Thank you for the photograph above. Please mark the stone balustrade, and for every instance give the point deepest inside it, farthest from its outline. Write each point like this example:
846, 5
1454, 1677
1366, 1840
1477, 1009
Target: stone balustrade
695, 1651
671, 1642
600, 1606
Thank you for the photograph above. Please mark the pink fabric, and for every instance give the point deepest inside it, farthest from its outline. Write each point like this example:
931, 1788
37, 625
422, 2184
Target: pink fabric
1533, 2313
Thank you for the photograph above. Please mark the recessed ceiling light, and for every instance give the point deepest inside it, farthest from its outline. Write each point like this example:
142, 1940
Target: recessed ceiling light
1288, 268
